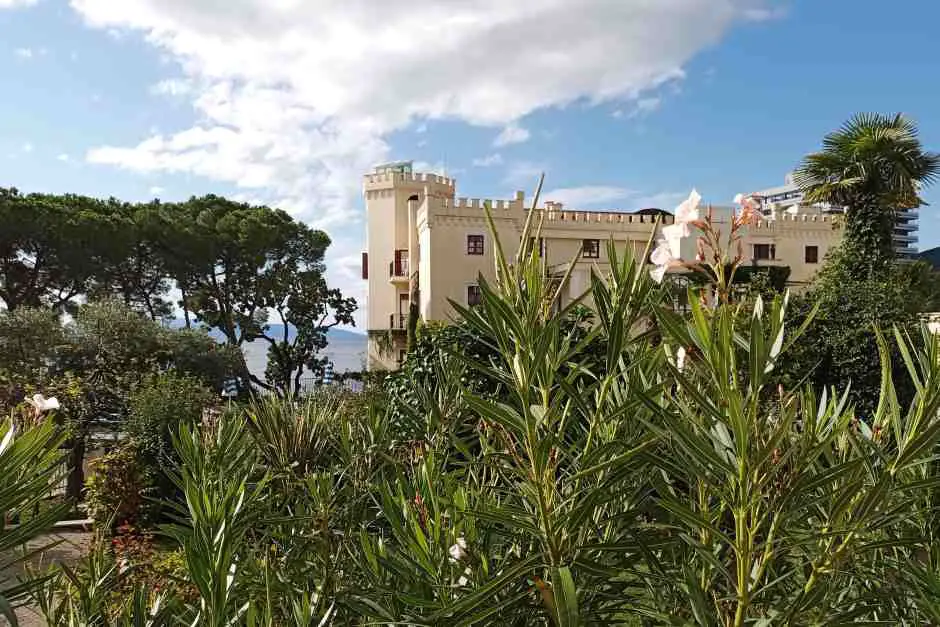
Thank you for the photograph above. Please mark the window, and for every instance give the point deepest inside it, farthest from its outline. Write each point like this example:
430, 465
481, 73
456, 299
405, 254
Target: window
766, 252
402, 355
540, 244
474, 296
591, 248
474, 244
812, 254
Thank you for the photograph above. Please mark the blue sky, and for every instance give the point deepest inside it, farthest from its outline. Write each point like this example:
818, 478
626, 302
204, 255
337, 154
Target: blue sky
623, 104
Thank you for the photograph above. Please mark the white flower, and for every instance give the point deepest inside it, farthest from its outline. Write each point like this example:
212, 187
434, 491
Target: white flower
680, 358
688, 210
459, 550
42, 404
658, 273
667, 252
738, 199
676, 231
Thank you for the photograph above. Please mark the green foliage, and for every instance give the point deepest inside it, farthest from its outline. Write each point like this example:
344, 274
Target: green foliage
30, 467
40, 263
874, 166
94, 363
556, 466
840, 348
234, 263
119, 490
219, 512
158, 407
92, 594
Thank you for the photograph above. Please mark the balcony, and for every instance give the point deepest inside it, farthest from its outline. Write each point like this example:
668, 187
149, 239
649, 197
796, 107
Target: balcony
398, 270
905, 239
398, 322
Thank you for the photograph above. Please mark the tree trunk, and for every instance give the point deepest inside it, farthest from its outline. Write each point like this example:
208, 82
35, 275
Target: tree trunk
185, 306
76, 478
869, 227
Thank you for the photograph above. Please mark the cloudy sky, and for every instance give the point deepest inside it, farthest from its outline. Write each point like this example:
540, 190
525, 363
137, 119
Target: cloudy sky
623, 103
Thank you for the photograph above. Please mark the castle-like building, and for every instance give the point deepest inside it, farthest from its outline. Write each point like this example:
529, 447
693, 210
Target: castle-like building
427, 245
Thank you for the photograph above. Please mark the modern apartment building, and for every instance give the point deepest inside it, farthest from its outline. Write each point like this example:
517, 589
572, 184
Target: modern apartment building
780, 198
424, 243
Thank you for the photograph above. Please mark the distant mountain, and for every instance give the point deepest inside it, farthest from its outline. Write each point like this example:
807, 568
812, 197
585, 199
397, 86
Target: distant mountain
276, 330
931, 256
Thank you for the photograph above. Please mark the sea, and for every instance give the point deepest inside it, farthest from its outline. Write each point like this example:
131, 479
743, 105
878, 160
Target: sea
346, 349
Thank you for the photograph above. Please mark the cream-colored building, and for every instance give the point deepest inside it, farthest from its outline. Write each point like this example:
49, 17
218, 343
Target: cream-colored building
426, 243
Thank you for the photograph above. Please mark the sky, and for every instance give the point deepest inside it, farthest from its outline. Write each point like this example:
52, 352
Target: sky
623, 104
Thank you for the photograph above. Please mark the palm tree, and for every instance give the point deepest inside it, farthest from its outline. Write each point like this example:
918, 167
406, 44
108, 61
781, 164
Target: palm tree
874, 166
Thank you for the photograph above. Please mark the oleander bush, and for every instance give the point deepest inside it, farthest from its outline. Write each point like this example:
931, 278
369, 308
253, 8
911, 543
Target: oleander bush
644, 467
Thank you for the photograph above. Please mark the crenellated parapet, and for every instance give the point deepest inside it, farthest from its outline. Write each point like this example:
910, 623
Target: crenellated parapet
808, 220
384, 180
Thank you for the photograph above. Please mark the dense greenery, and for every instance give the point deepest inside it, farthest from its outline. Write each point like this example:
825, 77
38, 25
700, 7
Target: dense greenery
235, 265
29, 469
873, 166
95, 363
750, 461
626, 482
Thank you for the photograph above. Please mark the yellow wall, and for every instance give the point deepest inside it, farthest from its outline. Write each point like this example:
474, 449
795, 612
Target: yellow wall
442, 222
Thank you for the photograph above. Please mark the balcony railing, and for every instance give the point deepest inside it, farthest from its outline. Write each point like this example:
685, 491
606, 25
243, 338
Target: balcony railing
398, 269
398, 322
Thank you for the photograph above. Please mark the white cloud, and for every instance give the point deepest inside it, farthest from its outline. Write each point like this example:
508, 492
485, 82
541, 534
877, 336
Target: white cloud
171, 87
12, 4
24, 53
763, 14
156, 190
512, 134
62, 157
488, 160
576, 197
27, 147
523, 174
295, 99
642, 106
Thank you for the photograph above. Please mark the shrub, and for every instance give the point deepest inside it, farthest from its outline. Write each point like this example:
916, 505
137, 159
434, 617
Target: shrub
120, 489
158, 406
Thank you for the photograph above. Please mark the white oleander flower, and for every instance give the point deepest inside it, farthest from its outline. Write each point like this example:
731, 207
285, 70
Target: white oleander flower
42, 404
459, 550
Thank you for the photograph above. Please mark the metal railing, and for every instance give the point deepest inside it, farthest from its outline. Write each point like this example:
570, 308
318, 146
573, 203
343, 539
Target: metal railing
398, 321
399, 267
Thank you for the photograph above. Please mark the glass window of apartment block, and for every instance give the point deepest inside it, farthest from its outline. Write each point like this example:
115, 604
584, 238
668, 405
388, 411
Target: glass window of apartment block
474, 296
765, 252
474, 244
591, 248
812, 254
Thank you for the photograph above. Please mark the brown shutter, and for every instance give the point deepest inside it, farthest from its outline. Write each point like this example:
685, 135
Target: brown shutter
365, 266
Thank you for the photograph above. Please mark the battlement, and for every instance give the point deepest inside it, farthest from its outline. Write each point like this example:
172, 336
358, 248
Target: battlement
388, 179
602, 217
477, 204
800, 218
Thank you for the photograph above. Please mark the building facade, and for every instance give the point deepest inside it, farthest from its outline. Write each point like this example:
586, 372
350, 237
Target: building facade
428, 247
778, 199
